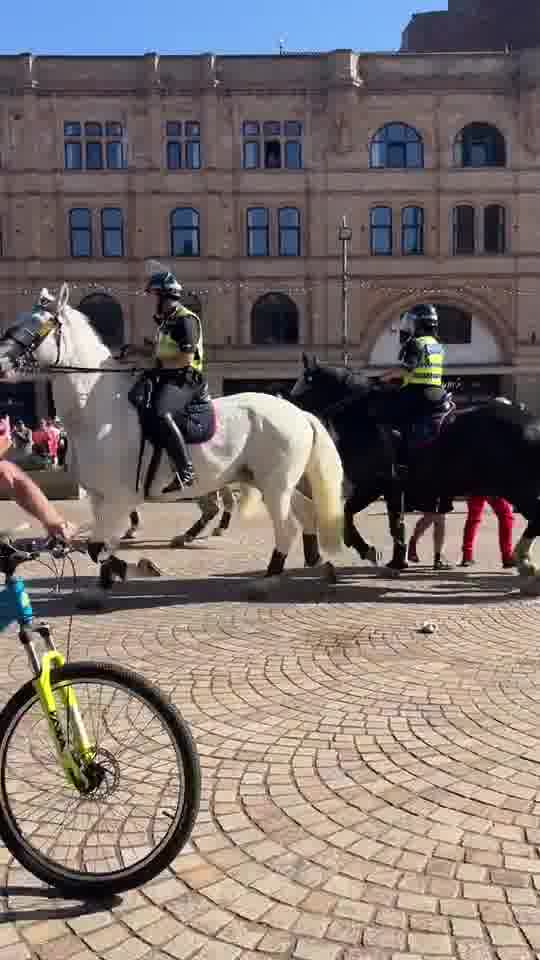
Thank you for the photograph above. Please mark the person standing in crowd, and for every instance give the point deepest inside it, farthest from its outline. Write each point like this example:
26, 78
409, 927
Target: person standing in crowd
438, 521
22, 438
505, 517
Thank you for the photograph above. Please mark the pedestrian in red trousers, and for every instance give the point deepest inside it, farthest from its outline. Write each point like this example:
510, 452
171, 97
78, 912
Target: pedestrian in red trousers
505, 517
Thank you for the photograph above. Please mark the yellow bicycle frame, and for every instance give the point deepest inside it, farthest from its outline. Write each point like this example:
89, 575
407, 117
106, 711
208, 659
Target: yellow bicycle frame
83, 749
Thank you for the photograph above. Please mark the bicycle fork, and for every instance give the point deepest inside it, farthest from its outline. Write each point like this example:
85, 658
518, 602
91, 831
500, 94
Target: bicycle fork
74, 748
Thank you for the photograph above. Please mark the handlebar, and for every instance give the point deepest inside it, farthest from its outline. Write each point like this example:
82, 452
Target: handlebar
15, 552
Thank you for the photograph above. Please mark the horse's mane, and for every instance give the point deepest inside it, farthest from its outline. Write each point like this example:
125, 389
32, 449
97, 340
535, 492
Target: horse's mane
81, 321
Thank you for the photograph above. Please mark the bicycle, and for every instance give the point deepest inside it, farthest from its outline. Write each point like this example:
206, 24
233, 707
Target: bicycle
122, 829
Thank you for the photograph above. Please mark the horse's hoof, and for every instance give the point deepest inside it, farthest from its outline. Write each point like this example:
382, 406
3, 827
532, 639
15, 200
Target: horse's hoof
92, 600
329, 573
129, 535
148, 569
218, 532
179, 541
395, 572
374, 556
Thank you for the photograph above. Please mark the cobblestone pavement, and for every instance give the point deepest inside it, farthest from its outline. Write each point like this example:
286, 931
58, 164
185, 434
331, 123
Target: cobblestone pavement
370, 791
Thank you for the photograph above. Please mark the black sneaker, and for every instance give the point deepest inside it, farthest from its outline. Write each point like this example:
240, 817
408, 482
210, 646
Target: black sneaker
180, 481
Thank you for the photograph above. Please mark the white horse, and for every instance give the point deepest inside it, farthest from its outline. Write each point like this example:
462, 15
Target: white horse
260, 440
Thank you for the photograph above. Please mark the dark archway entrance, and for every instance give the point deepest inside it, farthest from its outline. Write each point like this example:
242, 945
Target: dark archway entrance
105, 315
274, 320
455, 324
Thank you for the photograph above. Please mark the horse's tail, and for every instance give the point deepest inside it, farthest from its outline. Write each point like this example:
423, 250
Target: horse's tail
325, 474
250, 500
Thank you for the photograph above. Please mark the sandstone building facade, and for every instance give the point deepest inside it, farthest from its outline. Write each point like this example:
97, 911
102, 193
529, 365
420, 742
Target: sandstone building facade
236, 171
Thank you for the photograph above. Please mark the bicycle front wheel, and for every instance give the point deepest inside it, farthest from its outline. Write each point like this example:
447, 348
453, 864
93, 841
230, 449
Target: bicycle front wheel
140, 814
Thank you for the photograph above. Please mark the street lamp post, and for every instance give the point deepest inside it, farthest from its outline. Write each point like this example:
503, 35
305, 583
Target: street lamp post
345, 234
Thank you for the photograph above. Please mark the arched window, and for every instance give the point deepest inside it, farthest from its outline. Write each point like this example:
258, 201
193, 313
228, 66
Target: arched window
289, 232
412, 230
464, 230
274, 320
480, 145
105, 315
112, 232
455, 324
80, 232
397, 146
185, 232
494, 229
258, 234
380, 229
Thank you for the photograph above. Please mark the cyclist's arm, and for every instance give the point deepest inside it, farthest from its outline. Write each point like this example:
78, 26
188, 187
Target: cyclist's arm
19, 486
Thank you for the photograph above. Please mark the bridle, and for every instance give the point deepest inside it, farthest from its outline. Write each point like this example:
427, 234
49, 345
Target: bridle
30, 341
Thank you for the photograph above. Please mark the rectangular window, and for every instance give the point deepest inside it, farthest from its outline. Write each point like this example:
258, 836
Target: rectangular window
273, 145
193, 155
293, 155
112, 232
86, 148
115, 155
494, 229
174, 155
464, 230
412, 231
73, 155
289, 232
251, 155
183, 149
94, 155
113, 129
258, 232
380, 221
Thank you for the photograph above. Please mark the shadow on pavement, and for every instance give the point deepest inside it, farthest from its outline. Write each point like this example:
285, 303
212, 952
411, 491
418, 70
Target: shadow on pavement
55, 905
355, 586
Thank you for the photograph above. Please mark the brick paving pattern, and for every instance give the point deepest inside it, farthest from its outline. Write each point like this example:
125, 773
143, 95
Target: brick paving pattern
370, 792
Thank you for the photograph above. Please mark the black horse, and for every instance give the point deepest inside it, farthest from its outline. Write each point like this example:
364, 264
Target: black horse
489, 450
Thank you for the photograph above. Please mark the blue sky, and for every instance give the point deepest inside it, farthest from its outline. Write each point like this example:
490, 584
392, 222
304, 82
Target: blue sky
196, 26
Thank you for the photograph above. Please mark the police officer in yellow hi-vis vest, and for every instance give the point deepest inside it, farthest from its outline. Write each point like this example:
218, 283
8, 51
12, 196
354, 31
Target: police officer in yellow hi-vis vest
180, 408
421, 362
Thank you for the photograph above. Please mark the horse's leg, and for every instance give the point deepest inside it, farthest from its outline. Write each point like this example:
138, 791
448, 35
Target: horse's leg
228, 508
209, 507
522, 550
352, 538
109, 523
304, 512
135, 522
277, 499
396, 521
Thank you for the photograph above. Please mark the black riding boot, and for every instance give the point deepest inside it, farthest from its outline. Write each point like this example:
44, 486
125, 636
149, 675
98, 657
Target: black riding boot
178, 452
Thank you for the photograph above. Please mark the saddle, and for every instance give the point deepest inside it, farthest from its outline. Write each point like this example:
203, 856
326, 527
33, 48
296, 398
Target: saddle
195, 431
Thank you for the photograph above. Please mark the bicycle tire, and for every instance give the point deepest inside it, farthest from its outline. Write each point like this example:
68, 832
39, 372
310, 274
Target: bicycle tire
103, 885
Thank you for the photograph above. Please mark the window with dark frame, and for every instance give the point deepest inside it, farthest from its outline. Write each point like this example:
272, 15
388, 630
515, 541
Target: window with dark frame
412, 231
494, 229
289, 232
80, 232
183, 147
112, 232
396, 146
185, 233
258, 232
93, 146
380, 227
464, 230
274, 320
480, 145
272, 145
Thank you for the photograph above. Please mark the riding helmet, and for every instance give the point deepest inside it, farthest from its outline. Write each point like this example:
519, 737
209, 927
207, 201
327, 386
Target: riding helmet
423, 316
166, 284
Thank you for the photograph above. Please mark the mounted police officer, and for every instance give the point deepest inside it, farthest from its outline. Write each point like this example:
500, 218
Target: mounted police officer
421, 364
179, 404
